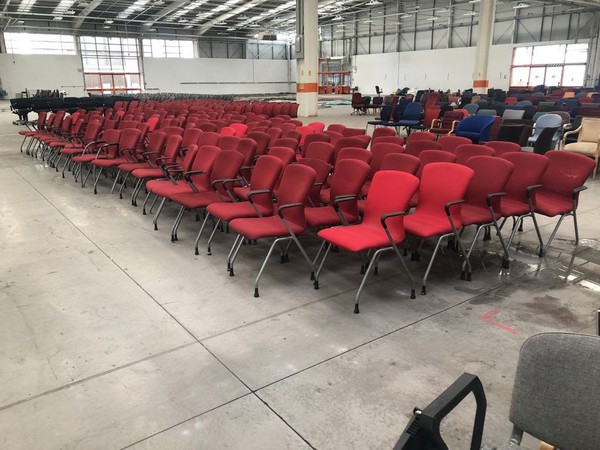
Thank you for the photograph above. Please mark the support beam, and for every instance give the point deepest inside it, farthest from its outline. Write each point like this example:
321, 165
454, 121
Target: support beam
166, 11
487, 13
307, 57
228, 15
86, 12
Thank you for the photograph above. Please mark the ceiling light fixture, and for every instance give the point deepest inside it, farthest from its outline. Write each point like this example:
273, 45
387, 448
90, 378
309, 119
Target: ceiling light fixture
57, 18
373, 3
109, 21
432, 18
405, 16
521, 5
338, 17
470, 13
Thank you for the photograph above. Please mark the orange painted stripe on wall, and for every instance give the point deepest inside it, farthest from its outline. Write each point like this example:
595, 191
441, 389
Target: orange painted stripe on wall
481, 83
307, 87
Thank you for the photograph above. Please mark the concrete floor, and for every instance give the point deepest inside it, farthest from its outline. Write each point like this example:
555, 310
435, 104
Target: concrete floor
114, 337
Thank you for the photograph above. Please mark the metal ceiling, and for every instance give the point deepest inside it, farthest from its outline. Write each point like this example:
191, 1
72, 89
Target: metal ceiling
243, 19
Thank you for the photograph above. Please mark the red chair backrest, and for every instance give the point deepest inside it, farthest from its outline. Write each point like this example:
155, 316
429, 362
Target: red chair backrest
173, 130
390, 191
286, 142
344, 142
348, 178
111, 136
431, 156
296, 182
229, 142
349, 132
466, 151
317, 126
353, 153
391, 139
204, 160
227, 165
261, 139
208, 138
322, 170
449, 143
401, 162
156, 143
380, 151
315, 137
337, 127
566, 171
286, 154
502, 147
265, 175
490, 176
247, 147
442, 183
190, 137
381, 132
420, 136
172, 146
227, 131
206, 127
334, 136
320, 150
529, 167
416, 147
274, 134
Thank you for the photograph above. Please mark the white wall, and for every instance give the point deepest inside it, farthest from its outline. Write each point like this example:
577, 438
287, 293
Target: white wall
218, 76
436, 69
20, 72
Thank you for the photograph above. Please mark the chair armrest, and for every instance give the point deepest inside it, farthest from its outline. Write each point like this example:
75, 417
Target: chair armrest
342, 198
454, 124
424, 426
530, 190
188, 175
434, 123
289, 205
449, 205
577, 190
491, 197
257, 192
387, 216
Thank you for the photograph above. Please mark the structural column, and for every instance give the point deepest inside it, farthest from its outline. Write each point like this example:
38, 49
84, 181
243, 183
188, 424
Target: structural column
487, 14
307, 56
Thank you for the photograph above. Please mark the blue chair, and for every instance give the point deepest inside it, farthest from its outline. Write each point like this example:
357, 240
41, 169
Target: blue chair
472, 108
547, 121
412, 116
476, 128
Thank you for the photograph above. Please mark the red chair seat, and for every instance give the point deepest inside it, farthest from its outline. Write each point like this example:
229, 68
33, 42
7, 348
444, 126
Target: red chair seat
148, 172
552, 204
426, 225
130, 167
473, 214
109, 162
27, 133
513, 207
325, 216
357, 238
193, 200
269, 227
72, 151
228, 211
82, 159
164, 188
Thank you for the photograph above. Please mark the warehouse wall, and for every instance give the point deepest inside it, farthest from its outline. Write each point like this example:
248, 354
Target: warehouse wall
218, 76
20, 72
437, 69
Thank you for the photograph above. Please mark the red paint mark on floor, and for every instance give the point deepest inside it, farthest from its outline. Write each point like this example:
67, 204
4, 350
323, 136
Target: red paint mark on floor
487, 318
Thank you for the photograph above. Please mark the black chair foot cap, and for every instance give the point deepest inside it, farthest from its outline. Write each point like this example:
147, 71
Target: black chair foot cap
208, 251
95, 192
121, 196
469, 276
316, 285
412, 293
356, 310
155, 227
231, 274
462, 275
196, 252
376, 271
423, 290
312, 276
256, 293
144, 211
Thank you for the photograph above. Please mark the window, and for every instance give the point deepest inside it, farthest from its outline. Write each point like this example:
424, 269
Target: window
551, 65
110, 65
161, 48
39, 44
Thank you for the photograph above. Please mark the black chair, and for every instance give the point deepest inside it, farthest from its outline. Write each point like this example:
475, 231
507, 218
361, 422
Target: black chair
544, 141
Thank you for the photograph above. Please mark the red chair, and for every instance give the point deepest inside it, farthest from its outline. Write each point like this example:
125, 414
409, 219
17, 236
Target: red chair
289, 222
320, 150
225, 168
304, 132
262, 141
286, 127
380, 151
529, 167
240, 128
442, 190
173, 130
194, 180
466, 151
109, 138
209, 138
322, 170
416, 147
349, 132
206, 127
354, 153
286, 142
164, 167
315, 137
337, 127
343, 142
77, 146
381, 132
482, 199
558, 191
260, 204
447, 123
147, 158
382, 227
346, 182
502, 147
391, 139
449, 143
317, 126
434, 156
229, 142
401, 162
274, 134
421, 136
